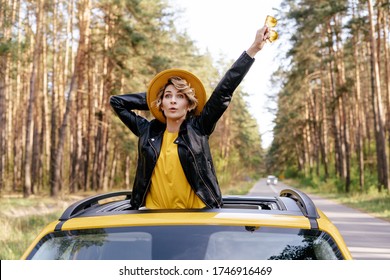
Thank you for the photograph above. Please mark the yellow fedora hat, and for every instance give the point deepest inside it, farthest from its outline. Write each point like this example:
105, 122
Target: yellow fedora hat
160, 81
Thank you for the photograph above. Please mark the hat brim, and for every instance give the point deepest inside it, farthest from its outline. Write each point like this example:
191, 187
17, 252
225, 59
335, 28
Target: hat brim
161, 79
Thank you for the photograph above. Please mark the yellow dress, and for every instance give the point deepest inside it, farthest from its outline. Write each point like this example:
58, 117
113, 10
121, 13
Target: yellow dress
169, 187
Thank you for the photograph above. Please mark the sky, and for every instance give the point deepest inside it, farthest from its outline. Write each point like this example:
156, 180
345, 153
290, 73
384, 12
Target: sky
227, 28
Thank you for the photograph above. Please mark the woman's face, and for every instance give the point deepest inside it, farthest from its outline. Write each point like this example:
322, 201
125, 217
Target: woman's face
174, 104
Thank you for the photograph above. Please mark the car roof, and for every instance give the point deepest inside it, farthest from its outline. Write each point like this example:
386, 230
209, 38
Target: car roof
288, 203
290, 209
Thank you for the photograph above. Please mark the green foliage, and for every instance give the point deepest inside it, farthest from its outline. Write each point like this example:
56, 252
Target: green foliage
240, 188
311, 182
4, 48
129, 42
9, 47
23, 219
242, 158
18, 232
291, 172
370, 201
318, 87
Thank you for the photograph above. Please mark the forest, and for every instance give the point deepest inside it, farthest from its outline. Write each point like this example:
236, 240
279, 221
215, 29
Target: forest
60, 61
334, 104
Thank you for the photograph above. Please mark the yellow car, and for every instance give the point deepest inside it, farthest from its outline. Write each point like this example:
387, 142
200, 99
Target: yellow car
285, 227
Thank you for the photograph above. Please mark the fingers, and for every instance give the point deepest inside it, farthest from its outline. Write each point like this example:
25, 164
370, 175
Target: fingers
266, 33
263, 34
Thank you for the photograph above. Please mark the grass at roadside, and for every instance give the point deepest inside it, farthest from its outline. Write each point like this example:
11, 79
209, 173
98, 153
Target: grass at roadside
372, 202
242, 188
18, 233
22, 219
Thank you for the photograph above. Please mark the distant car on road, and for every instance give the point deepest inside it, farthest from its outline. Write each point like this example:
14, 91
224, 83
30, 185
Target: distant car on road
272, 180
283, 227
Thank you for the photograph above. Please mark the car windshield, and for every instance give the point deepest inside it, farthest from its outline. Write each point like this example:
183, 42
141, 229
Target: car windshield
187, 242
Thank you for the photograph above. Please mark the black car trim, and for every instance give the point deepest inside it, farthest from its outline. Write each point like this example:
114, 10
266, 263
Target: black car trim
289, 202
59, 226
305, 203
89, 202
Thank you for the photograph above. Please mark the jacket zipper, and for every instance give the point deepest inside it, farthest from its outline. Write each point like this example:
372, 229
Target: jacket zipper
200, 176
148, 186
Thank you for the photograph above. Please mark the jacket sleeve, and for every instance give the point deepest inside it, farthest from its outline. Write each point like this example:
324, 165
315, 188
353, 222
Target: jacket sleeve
222, 94
124, 105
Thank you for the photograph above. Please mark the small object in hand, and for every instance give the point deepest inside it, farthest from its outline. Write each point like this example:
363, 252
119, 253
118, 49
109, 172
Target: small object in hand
273, 36
270, 21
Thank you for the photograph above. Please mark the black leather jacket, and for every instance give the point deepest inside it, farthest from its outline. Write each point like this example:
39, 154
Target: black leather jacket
193, 147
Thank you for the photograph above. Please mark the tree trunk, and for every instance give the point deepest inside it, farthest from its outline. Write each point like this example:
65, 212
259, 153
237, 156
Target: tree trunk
359, 116
84, 19
4, 22
88, 147
307, 137
387, 74
45, 135
77, 159
342, 94
113, 167
127, 172
8, 11
27, 189
379, 117
3, 63
54, 108
324, 131
18, 137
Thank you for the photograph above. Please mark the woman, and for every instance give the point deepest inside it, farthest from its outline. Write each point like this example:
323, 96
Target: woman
175, 168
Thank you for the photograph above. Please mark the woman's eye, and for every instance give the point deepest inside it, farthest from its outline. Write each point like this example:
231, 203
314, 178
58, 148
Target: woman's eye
181, 96
167, 96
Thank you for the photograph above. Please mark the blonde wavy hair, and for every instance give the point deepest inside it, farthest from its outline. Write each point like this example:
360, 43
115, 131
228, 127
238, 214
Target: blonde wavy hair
182, 86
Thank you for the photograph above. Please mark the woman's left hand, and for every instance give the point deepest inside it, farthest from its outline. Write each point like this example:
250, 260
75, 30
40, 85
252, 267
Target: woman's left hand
262, 35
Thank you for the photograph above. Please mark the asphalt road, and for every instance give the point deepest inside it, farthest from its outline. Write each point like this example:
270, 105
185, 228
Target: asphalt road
367, 237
